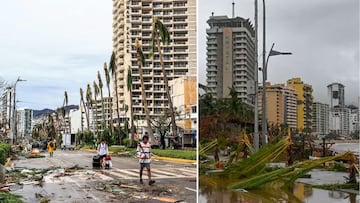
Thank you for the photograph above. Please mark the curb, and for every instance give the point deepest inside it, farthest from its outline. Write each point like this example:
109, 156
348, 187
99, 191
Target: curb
177, 160
174, 159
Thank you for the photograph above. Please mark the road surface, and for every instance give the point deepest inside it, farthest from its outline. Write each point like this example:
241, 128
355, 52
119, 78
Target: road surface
173, 180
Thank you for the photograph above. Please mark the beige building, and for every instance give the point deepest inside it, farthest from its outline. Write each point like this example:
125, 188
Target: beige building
281, 104
184, 97
95, 114
133, 19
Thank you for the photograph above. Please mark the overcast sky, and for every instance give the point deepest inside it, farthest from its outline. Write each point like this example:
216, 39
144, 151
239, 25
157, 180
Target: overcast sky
55, 45
59, 45
323, 36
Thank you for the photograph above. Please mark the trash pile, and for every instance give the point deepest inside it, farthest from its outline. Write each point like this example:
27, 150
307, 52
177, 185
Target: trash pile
133, 192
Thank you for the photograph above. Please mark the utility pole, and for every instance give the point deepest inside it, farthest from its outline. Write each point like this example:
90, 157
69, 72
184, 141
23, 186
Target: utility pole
264, 124
256, 109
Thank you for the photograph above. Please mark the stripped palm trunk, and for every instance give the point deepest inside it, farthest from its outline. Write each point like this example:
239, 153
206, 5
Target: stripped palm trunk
161, 31
129, 87
107, 77
113, 70
103, 123
96, 93
141, 62
86, 112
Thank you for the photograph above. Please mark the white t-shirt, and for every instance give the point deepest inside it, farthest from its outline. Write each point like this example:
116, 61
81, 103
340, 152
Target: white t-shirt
102, 149
143, 151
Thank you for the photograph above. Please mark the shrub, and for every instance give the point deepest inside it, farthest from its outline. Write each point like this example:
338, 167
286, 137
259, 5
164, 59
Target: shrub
5, 150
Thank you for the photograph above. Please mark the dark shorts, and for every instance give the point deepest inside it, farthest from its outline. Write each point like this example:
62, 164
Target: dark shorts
144, 165
102, 156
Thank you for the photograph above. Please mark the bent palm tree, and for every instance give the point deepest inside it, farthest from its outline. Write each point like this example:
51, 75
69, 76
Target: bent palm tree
103, 123
96, 93
141, 62
107, 77
129, 88
112, 69
160, 31
86, 112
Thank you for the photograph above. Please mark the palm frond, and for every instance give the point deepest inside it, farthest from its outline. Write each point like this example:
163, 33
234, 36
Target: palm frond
140, 51
107, 75
100, 80
112, 64
129, 80
96, 88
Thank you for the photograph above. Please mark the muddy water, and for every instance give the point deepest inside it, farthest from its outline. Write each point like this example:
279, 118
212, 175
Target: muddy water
210, 192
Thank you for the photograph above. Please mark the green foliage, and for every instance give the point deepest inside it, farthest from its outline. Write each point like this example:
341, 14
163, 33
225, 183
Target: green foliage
10, 198
339, 167
181, 154
86, 137
126, 142
5, 150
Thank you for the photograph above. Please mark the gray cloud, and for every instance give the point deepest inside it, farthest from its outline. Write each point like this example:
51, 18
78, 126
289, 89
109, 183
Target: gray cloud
323, 36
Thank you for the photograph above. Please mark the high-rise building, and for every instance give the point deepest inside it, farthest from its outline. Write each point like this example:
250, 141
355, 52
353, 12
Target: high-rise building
354, 120
320, 116
7, 112
24, 122
184, 97
96, 115
281, 102
339, 120
133, 19
230, 57
339, 113
336, 94
304, 103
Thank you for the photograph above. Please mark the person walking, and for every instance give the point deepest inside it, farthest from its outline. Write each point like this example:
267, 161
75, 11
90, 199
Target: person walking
103, 151
51, 148
144, 154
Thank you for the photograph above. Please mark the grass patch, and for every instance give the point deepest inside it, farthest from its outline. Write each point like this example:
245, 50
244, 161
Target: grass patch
87, 147
10, 198
172, 153
117, 148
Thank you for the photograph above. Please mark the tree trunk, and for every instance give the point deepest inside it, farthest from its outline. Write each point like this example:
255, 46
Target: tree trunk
86, 114
166, 84
103, 110
111, 111
143, 94
95, 115
117, 105
132, 120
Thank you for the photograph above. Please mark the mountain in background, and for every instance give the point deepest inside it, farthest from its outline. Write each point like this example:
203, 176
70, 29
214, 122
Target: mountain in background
45, 112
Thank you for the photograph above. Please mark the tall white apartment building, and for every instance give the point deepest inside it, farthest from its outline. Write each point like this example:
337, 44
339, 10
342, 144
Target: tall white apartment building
320, 116
24, 122
133, 19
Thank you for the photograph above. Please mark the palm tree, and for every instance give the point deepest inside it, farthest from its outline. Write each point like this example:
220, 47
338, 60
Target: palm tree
65, 103
102, 100
112, 69
89, 99
160, 31
96, 93
107, 77
141, 62
86, 112
129, 88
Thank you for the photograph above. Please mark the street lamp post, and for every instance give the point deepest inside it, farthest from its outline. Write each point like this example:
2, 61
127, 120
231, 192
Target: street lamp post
256, 106
14, 111
264, 74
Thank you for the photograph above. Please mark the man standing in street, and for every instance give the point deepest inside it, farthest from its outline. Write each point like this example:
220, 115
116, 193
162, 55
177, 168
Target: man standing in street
103, 151
143, 151
51, 148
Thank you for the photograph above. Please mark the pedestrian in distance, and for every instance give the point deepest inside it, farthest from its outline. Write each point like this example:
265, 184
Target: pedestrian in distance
94, 143
51, 148
144, 154
103, 151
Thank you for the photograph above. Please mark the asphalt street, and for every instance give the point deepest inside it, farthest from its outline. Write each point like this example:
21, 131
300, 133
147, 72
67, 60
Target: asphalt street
174, 181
